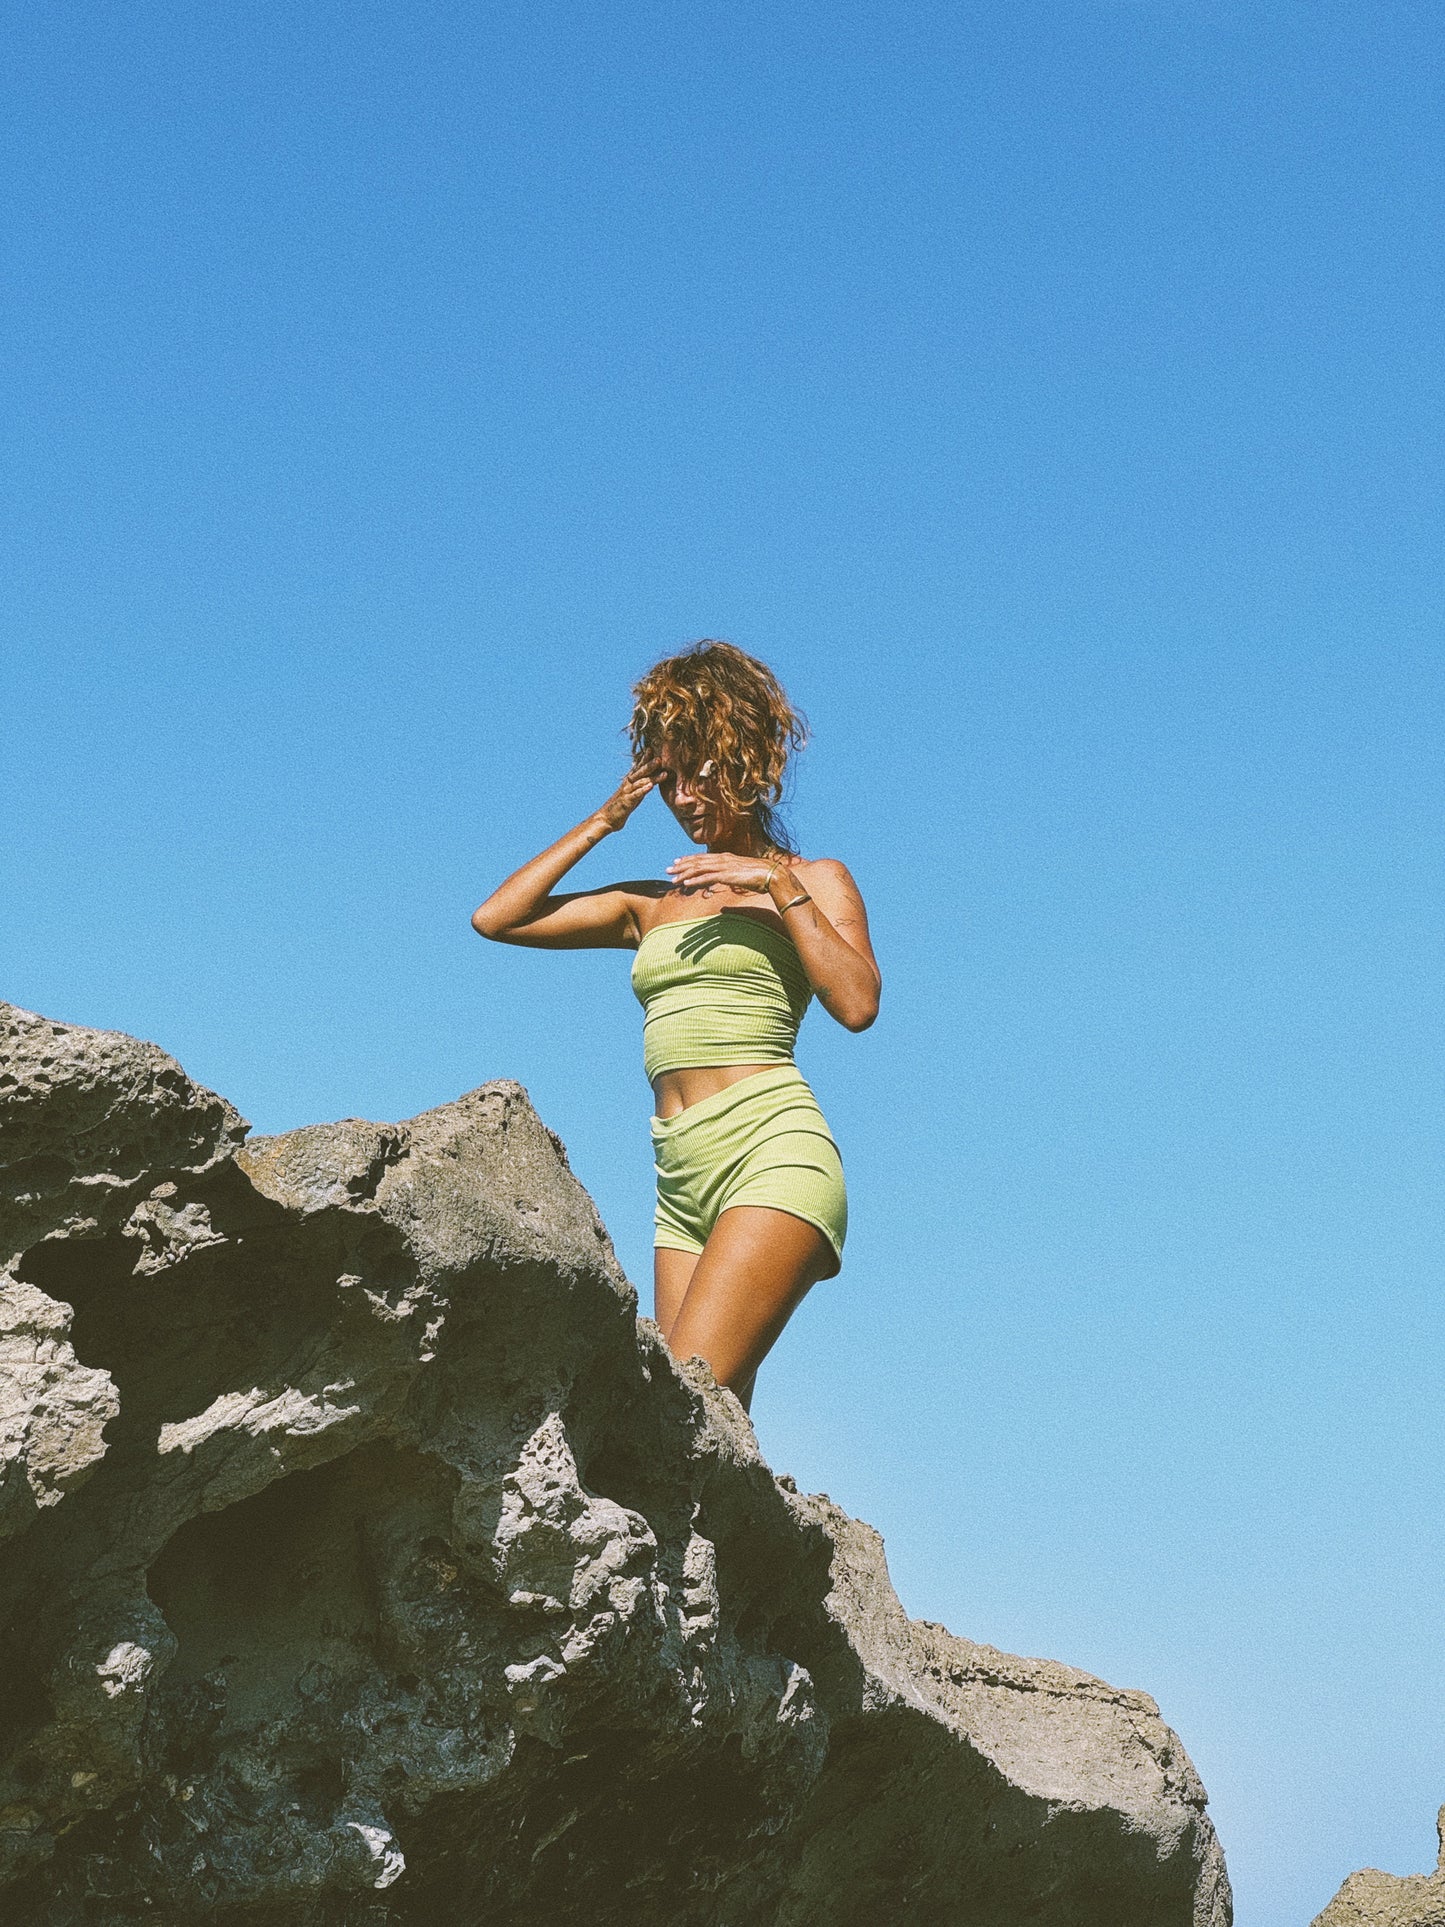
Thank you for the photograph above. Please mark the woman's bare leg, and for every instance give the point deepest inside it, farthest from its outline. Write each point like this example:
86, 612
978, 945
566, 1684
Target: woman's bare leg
671, 1275
754, 1273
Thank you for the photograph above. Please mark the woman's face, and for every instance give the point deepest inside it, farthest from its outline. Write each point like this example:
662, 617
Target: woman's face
695, 810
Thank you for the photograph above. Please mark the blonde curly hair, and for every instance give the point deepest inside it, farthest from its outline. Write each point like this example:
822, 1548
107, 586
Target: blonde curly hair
714, 703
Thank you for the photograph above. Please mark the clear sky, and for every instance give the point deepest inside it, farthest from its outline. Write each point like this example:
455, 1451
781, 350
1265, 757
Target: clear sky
1053, 394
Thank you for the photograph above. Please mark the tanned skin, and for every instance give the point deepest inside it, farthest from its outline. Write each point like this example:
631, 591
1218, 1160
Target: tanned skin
728, 1303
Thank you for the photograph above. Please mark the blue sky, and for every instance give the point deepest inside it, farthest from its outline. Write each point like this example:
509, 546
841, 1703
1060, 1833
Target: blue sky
1052, 393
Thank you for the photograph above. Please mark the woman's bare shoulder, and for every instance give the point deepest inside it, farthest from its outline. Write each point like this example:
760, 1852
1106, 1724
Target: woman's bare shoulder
831, 885
826, 873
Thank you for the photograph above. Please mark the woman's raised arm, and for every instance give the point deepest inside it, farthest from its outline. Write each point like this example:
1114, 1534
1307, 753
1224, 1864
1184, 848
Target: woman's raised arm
524, 910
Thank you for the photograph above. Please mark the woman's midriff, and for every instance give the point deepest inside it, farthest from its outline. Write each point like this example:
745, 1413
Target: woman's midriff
675, 1091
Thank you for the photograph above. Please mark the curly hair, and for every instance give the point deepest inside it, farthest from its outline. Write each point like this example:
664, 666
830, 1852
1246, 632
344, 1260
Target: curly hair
714, 703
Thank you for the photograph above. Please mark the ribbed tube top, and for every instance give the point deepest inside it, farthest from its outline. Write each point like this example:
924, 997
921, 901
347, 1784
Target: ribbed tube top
721, 989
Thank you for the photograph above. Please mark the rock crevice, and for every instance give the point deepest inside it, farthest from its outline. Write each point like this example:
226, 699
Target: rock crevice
369, 1559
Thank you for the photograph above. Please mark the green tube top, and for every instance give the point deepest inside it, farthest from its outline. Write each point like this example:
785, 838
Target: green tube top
721, 989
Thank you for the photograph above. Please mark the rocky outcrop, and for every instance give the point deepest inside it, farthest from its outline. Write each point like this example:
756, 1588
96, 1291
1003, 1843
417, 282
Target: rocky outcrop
1374, 1899
368, 1559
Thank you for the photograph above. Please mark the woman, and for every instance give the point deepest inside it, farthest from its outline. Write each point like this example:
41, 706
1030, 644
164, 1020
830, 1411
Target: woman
731, 947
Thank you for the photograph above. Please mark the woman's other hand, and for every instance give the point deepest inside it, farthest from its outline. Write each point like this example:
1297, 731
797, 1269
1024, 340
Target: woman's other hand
709, 869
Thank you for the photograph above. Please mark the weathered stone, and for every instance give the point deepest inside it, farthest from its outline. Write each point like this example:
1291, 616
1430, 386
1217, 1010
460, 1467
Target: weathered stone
371, 1560
1374, 1899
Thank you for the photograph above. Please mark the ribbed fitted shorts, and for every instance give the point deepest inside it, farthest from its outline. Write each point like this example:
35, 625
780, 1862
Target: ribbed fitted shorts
761, 1141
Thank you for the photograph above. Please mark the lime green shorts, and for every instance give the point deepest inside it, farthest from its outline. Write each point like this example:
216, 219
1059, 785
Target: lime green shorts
761, 1141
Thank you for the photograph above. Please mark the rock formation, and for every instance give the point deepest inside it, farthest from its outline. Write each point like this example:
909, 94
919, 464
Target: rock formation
1374, 1899
367, 1559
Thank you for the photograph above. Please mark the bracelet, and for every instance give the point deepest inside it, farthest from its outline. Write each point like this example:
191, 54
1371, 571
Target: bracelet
793, 902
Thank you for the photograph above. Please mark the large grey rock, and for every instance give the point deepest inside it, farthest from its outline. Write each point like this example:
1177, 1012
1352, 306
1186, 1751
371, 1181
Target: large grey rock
95, 1130
371, 1560
1374, 1899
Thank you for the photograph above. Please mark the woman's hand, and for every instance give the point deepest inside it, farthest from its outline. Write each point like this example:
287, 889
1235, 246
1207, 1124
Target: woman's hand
717, 869
629, 793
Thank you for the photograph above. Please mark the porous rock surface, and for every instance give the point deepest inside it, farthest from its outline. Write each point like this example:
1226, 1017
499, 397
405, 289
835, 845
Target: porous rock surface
1374, 1899
367, 1559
